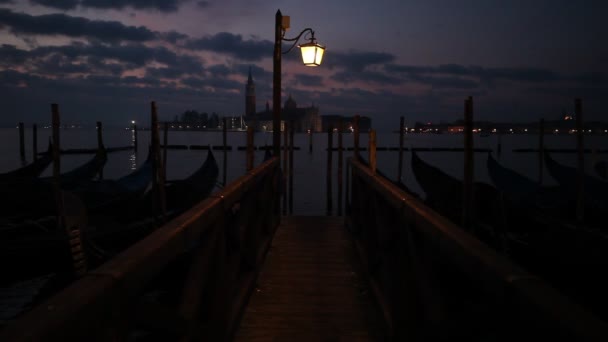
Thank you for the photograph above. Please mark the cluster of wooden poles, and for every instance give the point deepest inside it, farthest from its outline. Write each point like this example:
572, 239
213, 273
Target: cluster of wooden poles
468, 179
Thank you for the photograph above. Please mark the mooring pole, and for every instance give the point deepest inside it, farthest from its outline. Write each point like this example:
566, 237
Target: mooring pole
165, 148
541, 150
580, 179
356, 137
159, 186
22, 141
225, 143
340, 165
35, 141
400, 167
329, 162
285, 167
134, 128
467, 213
57, 166
249, 165
99, 128
372, 151
310, 140
291, 132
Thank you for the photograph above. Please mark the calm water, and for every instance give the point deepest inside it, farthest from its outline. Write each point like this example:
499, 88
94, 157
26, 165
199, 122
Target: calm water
310, 169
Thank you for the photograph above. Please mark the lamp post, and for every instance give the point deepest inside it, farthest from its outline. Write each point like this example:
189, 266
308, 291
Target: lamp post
312, 55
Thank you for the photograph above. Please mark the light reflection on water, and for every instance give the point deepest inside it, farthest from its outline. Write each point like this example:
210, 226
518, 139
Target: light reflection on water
310, 169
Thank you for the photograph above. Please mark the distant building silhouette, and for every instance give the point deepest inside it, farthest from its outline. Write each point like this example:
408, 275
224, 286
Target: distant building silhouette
250, 96
303, 118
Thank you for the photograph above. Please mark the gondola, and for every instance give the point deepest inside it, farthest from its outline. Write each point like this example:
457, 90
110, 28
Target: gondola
444, 193
601, 169
595, 190
109, 196
560, 250
110, 235
34, 198
523, 192
30, 171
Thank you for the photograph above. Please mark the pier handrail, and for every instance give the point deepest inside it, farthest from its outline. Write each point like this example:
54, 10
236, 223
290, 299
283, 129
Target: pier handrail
434, 281
223, 240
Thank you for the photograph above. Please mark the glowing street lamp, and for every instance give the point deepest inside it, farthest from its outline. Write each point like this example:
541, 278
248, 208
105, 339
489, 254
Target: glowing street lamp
312, 55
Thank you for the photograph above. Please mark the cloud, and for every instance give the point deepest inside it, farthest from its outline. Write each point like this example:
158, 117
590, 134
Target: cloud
233, 45
160, 5
308, 80
357, 60
61, 24
523, 74
59, 4
371, 77
203, 4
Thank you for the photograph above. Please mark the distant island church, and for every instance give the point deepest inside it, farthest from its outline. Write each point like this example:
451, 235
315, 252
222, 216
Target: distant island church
303, 118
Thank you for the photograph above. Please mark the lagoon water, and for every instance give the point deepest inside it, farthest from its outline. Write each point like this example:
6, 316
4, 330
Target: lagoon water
309, 169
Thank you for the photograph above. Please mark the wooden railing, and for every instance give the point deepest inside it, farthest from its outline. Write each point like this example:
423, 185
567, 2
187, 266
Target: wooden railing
187, 280
434, 281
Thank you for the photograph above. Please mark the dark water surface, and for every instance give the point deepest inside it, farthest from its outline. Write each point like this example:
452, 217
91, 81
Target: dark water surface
310, 169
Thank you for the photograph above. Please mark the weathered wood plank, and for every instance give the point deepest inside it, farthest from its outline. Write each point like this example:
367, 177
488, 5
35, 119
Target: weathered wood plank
310, 288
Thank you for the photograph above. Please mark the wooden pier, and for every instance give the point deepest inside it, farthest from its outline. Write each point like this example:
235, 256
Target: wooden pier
310, 288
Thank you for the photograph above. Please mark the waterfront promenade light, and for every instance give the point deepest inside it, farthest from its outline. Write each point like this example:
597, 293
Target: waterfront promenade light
312, 55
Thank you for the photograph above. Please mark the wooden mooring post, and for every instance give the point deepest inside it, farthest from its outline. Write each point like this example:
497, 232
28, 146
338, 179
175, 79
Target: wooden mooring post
22, 141
225, 145
372, 151
158, 184
35, 141
340, 165
356, 137
99, 128
467, 204
541, 150
329, 164
291, 133
310, 140
165, 147
580, 178
249, 165
57, 164
134, 128
285, 166
400, 166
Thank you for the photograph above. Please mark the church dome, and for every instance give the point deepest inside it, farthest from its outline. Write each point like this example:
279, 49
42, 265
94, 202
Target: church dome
290, 103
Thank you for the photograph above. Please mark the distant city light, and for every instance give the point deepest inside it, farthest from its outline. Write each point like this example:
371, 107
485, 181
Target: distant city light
133, 122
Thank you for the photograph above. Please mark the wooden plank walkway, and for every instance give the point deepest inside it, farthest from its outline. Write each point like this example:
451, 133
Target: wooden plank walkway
310, 288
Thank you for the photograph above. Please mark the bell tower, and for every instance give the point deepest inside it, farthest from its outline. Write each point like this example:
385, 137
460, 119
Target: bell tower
250, 96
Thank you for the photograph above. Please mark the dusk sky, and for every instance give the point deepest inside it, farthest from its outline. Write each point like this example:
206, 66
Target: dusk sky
107, 59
